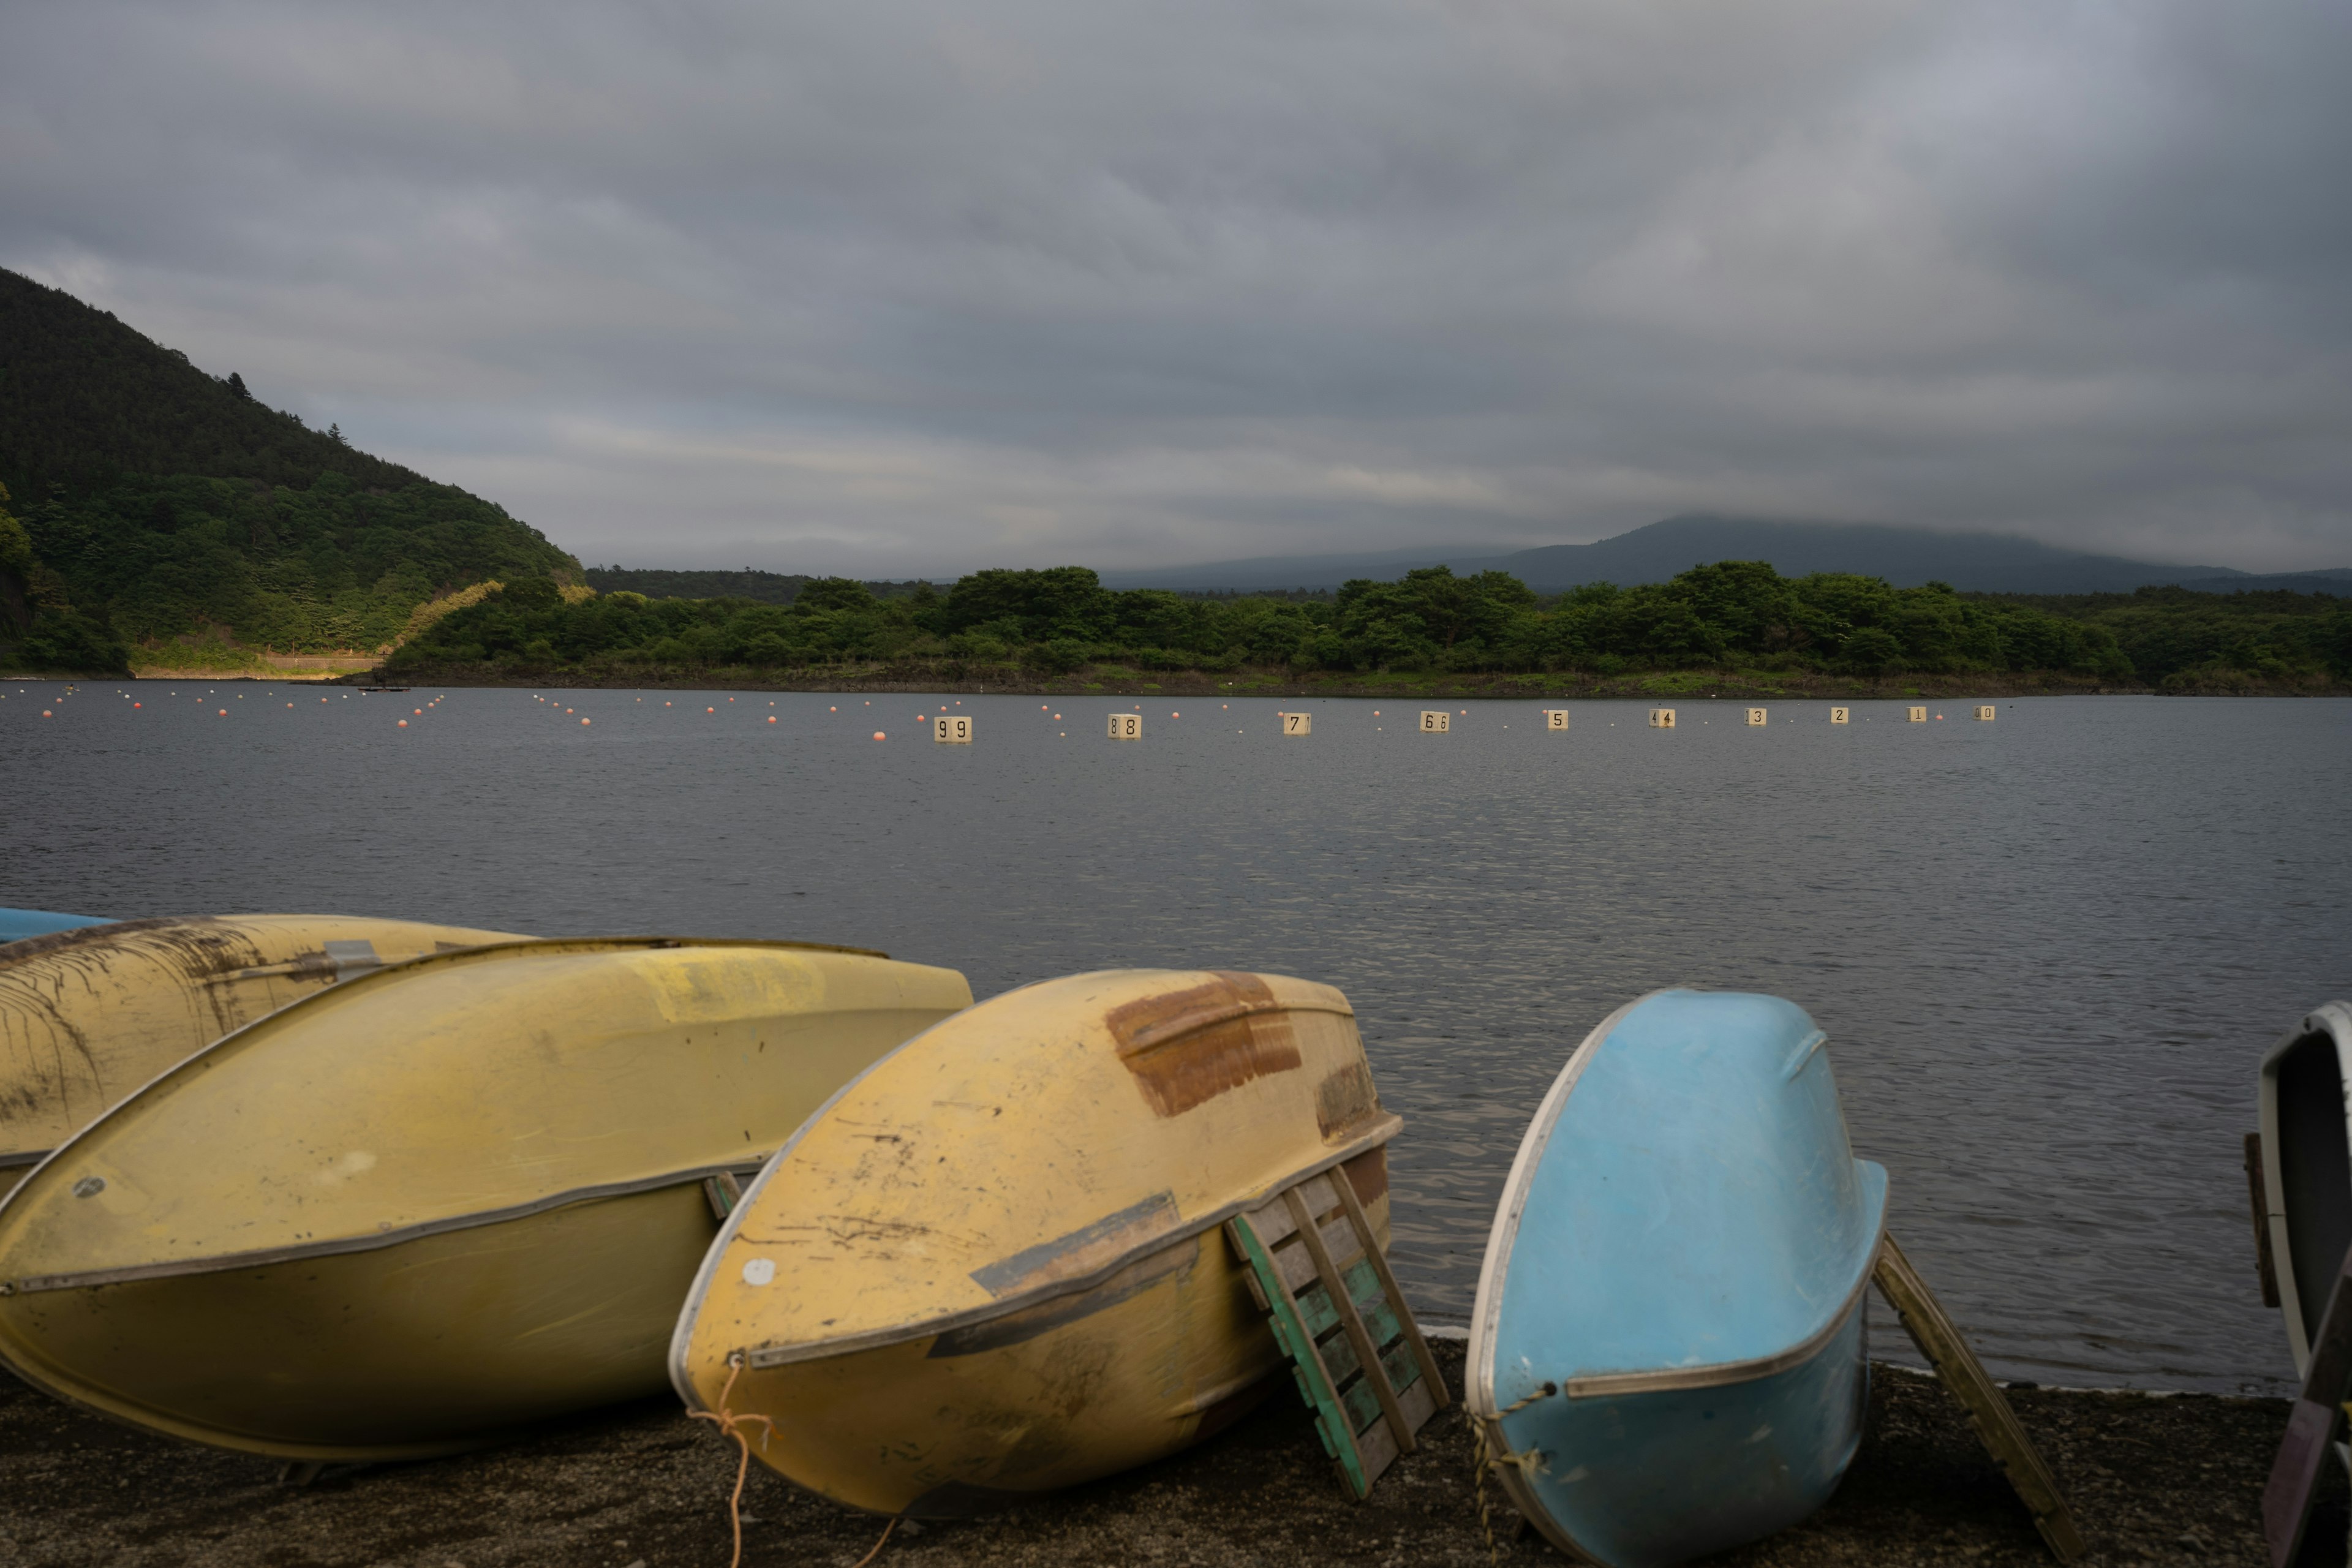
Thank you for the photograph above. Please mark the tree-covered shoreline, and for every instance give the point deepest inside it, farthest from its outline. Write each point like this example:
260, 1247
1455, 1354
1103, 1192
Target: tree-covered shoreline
1728, 626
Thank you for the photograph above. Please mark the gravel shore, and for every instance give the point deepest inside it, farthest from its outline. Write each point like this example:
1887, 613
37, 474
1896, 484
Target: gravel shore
2152, 1480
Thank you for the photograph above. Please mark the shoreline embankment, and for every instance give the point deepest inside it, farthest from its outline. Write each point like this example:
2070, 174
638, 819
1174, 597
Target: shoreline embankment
1685, 685
2169, 1480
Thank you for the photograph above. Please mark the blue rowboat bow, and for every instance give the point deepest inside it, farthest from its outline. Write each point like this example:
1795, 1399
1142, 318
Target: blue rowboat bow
16, 924
1667, 1351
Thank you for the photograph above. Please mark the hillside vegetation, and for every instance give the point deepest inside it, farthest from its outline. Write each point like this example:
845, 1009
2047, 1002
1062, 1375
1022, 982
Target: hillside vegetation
1731, 615
164, 515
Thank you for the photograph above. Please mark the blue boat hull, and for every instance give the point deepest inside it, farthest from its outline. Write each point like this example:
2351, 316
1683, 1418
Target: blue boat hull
17, 924
1666, 1477
1668, 1348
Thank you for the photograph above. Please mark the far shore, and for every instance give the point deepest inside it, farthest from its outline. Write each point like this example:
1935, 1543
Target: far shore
1649, 686
2150, 1480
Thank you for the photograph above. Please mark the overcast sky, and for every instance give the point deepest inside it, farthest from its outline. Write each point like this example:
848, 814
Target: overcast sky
892, 286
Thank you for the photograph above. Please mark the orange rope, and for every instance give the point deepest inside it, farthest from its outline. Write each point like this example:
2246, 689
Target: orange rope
879, 1544
727, 1421
731, 1424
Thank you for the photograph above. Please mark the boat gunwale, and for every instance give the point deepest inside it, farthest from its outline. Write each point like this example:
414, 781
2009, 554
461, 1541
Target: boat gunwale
1487, 1311
2332, 1020
681, 1339
1722, 1374
369, 980
376, 1241
768, 1358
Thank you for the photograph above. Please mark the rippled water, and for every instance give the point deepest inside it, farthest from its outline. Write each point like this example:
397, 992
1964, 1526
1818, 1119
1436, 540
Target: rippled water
2049, 950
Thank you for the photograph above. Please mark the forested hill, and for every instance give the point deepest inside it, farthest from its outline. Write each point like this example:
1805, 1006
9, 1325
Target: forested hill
156, 504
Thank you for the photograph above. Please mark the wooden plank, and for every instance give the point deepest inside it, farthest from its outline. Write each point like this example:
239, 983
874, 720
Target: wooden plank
1350, 1320
1388, 1287
2264, 1267
1314, 1377
2311, 1426
1987, 1408
1297, 1264
1273, 1220
1378, 1450
1364, 1288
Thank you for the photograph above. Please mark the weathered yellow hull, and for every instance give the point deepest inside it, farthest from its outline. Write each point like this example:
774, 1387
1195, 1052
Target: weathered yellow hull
995, 1264
87, 1017
435, 1204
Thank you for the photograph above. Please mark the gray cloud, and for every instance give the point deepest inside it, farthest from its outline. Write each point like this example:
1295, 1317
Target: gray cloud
906, 287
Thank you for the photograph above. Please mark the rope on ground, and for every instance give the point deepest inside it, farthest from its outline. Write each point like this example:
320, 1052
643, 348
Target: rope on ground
1491, 1457
881, 1544
732, 1424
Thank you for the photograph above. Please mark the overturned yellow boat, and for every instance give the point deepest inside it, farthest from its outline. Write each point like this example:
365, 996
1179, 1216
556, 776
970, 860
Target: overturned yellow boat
994, 1264
87, 1016
412, 1212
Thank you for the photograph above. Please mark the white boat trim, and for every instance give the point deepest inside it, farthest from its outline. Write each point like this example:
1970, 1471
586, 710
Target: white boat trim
2333, 1020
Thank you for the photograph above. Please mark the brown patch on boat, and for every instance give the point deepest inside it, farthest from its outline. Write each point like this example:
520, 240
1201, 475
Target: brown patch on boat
1186, 1048
1346, 1101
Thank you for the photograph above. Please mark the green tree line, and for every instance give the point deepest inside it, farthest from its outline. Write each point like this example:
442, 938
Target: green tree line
1731, 615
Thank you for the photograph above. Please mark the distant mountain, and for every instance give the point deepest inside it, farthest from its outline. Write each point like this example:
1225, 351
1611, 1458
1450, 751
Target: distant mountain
1905, 557
1299, 571
160, 503
1984, 562
2336, 580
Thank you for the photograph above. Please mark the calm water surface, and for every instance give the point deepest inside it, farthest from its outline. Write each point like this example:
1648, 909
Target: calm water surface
2049, 950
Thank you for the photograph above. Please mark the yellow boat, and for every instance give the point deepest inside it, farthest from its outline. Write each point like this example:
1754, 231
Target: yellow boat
413, 1213
994, 1265
87, 1016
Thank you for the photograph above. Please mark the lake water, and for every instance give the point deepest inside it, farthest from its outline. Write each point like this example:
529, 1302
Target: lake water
2049, 950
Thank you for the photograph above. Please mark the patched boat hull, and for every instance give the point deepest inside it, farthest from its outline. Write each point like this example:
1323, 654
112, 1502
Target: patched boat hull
995, 1264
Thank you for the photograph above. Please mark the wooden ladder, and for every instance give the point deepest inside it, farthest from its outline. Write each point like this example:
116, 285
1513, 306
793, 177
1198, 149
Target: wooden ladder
1361, 1365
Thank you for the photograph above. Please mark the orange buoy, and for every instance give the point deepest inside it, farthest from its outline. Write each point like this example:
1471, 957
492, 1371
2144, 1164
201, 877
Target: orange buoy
142, 704
583, 721
403, 724
46, 714
771, 718
878, 734
224, 713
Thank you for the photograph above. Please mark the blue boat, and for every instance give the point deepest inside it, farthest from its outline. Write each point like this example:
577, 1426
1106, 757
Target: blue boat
1668, 1355
16, 924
